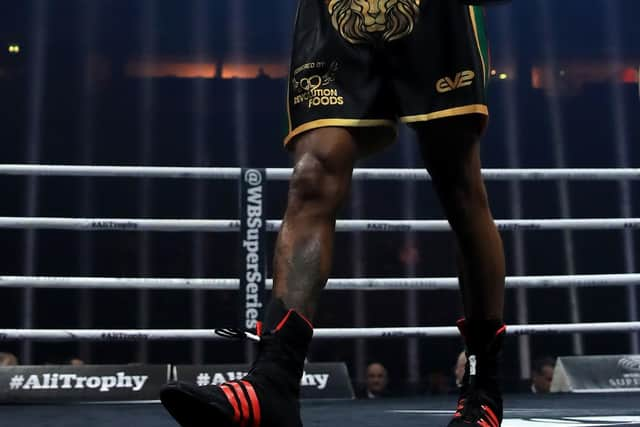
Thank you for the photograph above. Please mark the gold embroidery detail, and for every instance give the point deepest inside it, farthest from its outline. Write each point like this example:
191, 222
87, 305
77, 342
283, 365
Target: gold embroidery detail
462, 79
358, 21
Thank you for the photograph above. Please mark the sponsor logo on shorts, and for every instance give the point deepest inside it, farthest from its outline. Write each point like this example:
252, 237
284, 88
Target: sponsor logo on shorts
461, 79
311, 84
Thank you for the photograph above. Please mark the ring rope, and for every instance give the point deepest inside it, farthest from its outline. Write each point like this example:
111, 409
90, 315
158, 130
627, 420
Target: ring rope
230, 225
328, 333
282, 174
362, 284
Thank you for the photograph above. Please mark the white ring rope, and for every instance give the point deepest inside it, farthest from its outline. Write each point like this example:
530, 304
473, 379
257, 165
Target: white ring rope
336, 284
230, 225
283, 174
365, 284
332, 333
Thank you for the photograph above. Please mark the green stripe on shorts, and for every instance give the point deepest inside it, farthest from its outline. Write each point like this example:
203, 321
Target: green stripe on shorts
481, 33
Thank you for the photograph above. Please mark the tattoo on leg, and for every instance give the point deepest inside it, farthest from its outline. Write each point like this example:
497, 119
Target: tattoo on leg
305, 276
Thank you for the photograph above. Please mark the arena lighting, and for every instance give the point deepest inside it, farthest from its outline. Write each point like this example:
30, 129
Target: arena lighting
240, 102
14, 48
509, 100
200, 24
148, 95
621, 141
503, 76
555, 114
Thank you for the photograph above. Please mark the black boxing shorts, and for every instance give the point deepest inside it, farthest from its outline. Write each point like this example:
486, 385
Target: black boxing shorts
370, 63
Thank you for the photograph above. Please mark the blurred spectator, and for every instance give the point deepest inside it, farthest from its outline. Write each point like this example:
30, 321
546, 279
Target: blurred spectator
542, 375
376, 385
8, 359
76, 361
458, 369
409, 255
262, 74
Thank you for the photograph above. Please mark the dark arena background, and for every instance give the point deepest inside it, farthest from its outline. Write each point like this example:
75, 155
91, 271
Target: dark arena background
202, 83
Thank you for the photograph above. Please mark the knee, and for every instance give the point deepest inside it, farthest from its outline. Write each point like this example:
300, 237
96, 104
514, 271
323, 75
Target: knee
317, 183
464, 201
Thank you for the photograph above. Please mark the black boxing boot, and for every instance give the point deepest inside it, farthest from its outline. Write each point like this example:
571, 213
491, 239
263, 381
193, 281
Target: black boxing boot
267, 396
480, 401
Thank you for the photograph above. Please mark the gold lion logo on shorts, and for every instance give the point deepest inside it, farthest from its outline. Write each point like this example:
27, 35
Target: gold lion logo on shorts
358, 21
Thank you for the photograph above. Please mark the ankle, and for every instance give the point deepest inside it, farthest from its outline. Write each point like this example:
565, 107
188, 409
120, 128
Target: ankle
290, 327
283, 347
482, 336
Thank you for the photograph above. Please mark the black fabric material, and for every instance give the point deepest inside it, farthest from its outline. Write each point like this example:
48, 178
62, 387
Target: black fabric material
282, 353
274, 313
350, 70
275, 377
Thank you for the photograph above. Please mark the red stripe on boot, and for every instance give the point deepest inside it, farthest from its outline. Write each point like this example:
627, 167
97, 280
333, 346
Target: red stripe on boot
491, 415
244, 405
255, 403
306, 320
284, 320
232, 401
286, 317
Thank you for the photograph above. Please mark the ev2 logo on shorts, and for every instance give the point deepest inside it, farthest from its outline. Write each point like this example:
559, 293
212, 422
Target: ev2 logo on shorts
462, 79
